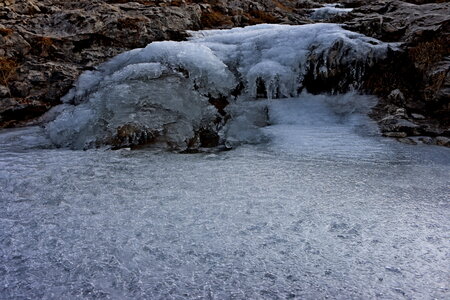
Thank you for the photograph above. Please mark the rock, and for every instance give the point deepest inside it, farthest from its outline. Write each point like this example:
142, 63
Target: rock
427, 140
395, 134
20, 89
417, 116
443, 141
419, 66
401, 113
408, 141
4, 91
36, 77
396, 97
132, 134
394, 124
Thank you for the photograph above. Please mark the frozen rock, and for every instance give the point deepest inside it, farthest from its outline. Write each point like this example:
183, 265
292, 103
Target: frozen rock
401, 112
443, 141
426, 140
329, 11
418, 116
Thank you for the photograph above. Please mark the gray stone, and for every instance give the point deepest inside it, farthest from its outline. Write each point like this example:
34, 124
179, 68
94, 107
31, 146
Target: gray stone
401, 112
408, 141
443, 141
417, 116
426, 140
395, 134
4, 91
396, 96
20, 89
393, 124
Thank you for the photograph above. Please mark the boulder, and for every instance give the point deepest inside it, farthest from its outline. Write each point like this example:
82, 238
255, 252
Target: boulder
443, 141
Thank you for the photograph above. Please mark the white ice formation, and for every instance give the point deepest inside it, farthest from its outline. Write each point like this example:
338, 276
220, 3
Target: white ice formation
329, 11
182, 95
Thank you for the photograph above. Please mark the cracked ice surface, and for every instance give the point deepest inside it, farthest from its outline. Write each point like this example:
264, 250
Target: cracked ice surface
291, 218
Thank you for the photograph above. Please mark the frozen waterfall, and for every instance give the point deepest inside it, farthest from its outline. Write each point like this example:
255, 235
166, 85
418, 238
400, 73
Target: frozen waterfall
183, 95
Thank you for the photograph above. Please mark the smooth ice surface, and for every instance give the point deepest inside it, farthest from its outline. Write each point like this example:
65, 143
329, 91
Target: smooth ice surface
162, 91
336, 126
321, 209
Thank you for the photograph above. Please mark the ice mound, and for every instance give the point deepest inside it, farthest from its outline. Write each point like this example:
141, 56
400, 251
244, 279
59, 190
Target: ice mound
155, 94
175, 94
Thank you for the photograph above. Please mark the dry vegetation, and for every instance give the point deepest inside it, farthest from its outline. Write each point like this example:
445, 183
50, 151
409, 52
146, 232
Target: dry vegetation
258, 17
215, 18
428, 53
8, 68
4, 31
43, 44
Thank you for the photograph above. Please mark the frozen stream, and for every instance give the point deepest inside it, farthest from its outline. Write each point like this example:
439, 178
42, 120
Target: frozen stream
324, 209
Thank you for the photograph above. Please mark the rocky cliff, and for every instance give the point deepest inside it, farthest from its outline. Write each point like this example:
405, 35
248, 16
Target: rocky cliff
45, 45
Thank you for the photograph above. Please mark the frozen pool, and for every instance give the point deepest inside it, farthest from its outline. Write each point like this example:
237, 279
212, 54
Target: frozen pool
324, 209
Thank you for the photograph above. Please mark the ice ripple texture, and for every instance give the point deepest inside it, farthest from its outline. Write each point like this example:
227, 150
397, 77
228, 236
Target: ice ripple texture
162, 94
252, 223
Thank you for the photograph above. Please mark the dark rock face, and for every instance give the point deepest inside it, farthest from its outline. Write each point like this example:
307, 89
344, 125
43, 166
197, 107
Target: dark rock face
45, 45
420, 70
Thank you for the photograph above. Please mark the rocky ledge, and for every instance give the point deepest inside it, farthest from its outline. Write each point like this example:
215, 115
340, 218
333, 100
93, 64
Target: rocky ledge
413, 82
45, 45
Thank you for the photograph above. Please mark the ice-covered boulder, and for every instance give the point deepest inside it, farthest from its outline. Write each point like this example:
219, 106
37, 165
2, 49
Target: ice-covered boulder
155, 94
169, 93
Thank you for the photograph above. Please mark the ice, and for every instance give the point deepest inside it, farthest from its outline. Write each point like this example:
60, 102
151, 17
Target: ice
325, 126
257, 222
288, 52
329, 11
161, 94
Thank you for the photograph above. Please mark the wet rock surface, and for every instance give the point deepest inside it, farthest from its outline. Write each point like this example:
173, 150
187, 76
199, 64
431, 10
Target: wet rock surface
45, 45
